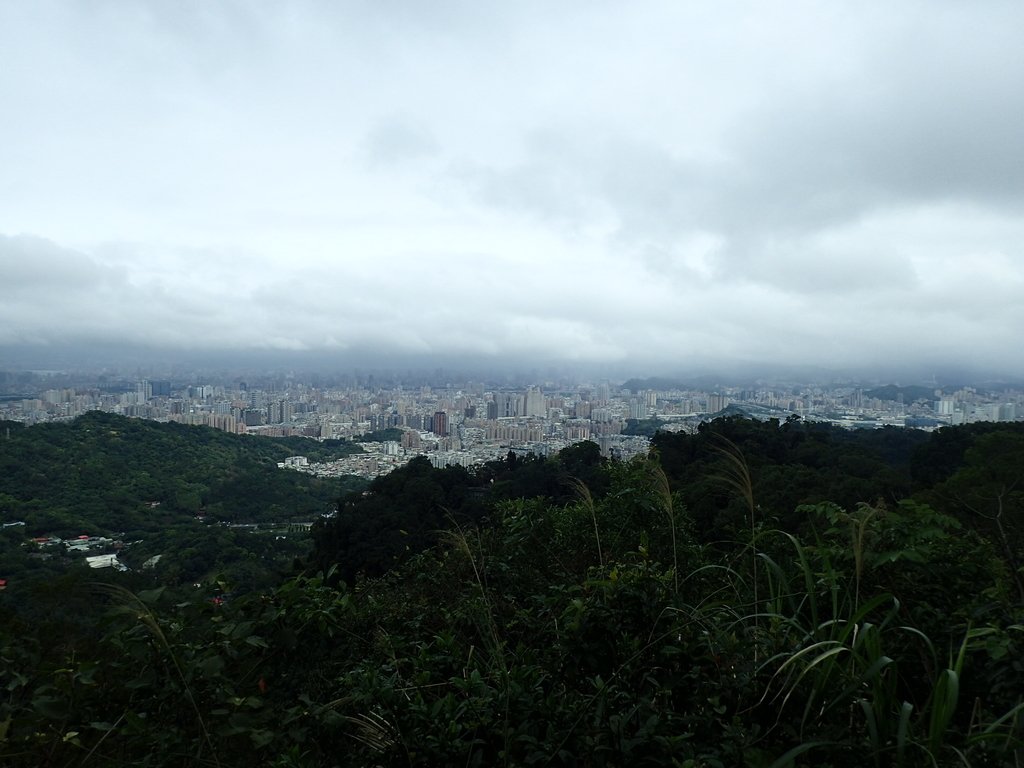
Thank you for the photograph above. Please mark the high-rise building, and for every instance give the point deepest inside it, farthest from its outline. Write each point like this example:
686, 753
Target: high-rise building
440, 425
279, 412
717, 402
508, 404
534, 402
637, 408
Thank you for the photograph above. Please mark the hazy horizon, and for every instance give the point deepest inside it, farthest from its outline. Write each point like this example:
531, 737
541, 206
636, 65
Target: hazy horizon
132, 364
663, 189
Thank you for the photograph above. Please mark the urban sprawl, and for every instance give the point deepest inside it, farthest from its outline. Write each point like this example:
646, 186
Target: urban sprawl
474, 422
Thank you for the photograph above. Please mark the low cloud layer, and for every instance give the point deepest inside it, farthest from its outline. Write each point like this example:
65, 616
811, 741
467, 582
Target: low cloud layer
840, 186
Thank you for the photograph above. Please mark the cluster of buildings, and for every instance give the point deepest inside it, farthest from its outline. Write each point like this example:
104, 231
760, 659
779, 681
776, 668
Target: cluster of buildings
966, 406
98, 551
473, 422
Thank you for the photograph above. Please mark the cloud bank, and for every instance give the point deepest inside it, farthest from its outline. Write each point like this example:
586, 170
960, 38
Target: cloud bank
836, 185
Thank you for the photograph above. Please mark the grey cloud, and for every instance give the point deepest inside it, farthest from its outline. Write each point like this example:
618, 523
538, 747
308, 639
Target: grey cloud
932, 112
398, 140
552, 181
30, 263
53, 294
814, 265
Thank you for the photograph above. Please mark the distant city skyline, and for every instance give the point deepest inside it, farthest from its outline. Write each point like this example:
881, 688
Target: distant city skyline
469, 422
653, 189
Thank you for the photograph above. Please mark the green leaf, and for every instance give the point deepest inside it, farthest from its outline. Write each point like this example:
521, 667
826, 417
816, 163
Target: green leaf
51, 707
795, 752
211, 666
150, 596
261, 738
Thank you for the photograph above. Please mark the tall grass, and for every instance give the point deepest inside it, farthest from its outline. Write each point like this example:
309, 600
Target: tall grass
841, 657
664, 493
736, 475
587, 499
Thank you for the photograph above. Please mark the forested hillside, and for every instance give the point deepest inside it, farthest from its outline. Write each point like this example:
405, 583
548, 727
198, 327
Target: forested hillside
162, 489
756, 594
102, 471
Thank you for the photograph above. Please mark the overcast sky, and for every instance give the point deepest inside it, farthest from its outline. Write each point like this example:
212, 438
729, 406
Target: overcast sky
643, 184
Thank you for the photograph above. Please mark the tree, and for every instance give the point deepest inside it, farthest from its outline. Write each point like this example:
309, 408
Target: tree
989, 491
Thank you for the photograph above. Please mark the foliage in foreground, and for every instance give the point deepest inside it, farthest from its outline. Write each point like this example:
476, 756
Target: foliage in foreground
598, 632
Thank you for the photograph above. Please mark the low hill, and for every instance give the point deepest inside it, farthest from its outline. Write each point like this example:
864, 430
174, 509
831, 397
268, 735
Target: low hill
893, 391
102, 473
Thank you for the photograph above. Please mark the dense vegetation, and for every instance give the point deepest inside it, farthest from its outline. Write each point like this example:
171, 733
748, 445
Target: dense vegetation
761, 594
102, 471
645, 427
163, 488
402, 513
380, 435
